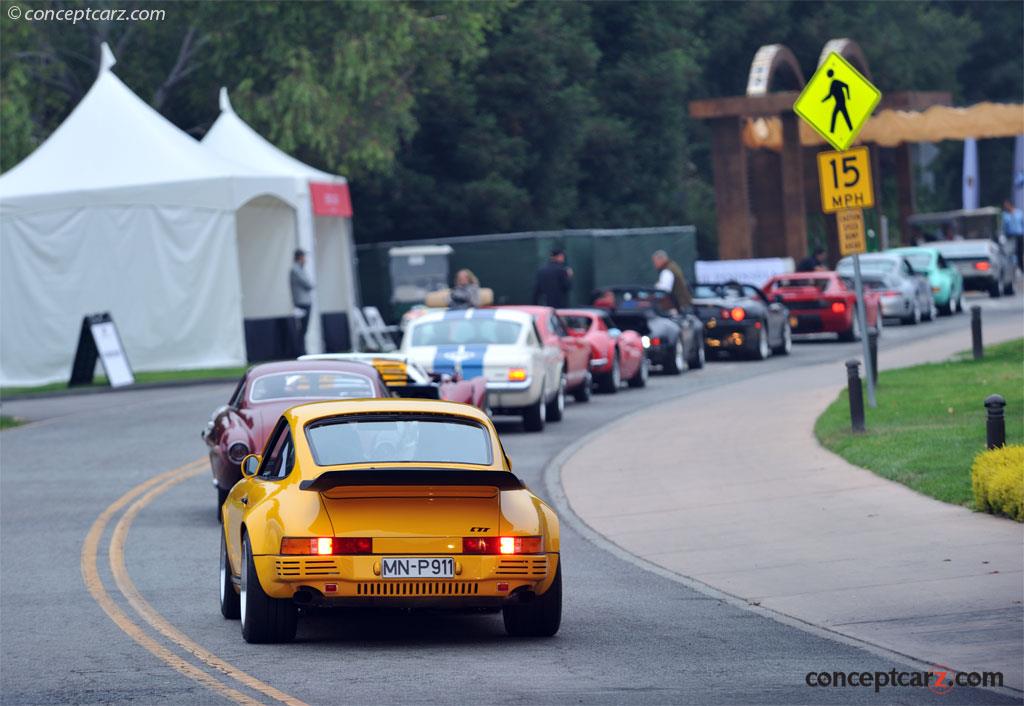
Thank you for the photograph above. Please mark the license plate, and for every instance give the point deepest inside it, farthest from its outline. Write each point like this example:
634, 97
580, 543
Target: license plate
420, 567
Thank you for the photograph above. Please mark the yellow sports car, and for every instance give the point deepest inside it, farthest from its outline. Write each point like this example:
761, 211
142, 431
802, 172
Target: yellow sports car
399, 502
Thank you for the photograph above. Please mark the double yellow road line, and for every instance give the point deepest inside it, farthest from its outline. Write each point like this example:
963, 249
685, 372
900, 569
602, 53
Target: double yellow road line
138, 497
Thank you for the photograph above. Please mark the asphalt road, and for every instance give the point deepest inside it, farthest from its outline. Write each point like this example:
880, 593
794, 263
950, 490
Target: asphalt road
628, 636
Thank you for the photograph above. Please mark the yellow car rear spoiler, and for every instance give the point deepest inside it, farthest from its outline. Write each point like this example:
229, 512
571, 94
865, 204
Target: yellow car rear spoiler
502, 480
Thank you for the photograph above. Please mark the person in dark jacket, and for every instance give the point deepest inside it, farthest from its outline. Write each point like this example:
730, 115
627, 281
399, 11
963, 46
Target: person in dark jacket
301, 287
815, 262
554, 280
466, 292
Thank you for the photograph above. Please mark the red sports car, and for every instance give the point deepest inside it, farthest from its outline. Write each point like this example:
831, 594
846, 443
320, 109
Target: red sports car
578, 379
823, 302
615, 355
265, 391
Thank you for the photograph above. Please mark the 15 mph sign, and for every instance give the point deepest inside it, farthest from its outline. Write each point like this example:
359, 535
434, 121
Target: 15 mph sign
845, 179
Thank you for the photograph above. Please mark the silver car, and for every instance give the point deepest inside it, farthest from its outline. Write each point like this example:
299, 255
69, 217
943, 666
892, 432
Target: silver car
983, 263
903, 294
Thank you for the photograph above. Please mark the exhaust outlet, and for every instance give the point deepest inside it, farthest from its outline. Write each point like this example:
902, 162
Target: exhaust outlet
303, 596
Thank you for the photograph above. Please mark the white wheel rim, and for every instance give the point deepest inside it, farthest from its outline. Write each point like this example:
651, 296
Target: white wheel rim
787, 336
543, 406
561, 395
242, 593
679, 355
223, 577
762, 343
616, 373
700, 354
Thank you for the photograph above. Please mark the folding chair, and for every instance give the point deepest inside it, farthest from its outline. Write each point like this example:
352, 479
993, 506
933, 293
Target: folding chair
383, 333
365, 340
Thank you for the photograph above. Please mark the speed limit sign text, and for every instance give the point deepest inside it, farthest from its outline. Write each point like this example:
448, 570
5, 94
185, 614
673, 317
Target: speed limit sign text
845, 179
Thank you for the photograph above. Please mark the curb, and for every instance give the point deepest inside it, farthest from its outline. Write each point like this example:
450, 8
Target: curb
98, 389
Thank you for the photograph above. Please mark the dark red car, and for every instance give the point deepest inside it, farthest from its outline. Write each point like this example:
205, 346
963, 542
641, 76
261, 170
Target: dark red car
823, 302
615, 355
265, 391
578, 379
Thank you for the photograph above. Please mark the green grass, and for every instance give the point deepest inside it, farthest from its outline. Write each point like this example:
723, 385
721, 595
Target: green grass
930, 421
155, 376
8, 422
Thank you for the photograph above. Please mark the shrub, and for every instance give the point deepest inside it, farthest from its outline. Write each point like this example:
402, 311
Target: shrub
997, 477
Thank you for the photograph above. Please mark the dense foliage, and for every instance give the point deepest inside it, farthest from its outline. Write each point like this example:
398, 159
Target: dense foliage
457, 117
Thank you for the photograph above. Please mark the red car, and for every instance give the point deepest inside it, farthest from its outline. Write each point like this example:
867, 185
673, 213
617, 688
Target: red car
823, 302
615, 355
265, 391
578, 379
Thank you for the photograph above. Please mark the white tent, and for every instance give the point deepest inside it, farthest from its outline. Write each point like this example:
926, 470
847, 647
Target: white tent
324, 222
120, 211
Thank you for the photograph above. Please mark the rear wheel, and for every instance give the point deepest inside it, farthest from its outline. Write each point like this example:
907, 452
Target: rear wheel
914, 318
786, 345
762, 351
609, 383
697, 360
931, 313
264, 619
994, 290
539, 617
229, 602
536, 414
639, 379
556, 407
582, 393
676, 362
1008, 289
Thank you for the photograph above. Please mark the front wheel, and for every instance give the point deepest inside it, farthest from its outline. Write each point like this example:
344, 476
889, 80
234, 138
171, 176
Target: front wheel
556, 407
229, 600
582, 393
786, 345
609, 383
539, 617
639, 379
264, 619
676, 362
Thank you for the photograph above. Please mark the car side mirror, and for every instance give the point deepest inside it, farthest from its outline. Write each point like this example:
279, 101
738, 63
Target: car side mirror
251, 464
614, 332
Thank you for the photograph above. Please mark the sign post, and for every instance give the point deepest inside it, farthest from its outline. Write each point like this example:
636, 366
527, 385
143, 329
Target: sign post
836, 102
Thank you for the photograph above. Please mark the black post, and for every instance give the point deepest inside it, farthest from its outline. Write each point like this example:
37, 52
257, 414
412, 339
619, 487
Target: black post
856, 395
873, 350
976, 346
995, 426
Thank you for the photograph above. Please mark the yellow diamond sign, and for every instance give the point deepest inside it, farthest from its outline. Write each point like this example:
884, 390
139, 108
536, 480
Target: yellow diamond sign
837, 101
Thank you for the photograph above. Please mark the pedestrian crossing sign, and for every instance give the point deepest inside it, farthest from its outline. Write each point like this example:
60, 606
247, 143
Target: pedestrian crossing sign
837, 101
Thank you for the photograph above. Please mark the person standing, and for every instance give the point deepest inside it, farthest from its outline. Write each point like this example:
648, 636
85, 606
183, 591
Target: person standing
301, 299
816, 262
466, 292
1013, 227
554, 280
671, 279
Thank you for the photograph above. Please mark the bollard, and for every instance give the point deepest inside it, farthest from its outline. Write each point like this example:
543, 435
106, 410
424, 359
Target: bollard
873, 352
995, 423
976, 346
856, 395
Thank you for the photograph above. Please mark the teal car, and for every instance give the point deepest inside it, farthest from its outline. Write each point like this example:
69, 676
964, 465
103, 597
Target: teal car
945, 280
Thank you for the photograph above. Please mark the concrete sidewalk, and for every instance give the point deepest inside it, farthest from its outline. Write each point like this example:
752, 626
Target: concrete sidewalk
730, 487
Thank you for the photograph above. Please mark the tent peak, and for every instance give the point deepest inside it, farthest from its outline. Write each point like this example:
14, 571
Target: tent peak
225, 102
107, 58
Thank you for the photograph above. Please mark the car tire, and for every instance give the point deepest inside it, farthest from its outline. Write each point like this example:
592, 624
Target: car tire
915, 316
229, 599
535, 416
556, 407
995, 291
264, 619
959, 303
1008, 289
931, 315
761, 350
639, 378
698, 360
609, 383
786, 346
850, 334
539, 617
582, 393
222, 496
948, 308
675, 363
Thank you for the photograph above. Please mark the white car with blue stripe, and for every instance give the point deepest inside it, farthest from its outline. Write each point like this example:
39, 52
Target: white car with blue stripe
524, 377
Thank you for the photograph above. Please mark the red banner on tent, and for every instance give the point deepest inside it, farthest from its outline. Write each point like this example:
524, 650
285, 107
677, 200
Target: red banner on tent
330, 199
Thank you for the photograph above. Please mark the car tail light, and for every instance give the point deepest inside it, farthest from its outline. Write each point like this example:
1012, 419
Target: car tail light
890, 294
936, 290
516, 374
655, 341
737, 313
502, 545
838, 307
237, 451
326, 545
983, 266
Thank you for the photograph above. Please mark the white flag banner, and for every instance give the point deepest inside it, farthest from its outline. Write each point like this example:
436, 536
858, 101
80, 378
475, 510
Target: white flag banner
970, 173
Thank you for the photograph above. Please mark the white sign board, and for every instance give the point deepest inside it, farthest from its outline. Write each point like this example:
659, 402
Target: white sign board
755, 271
111, 353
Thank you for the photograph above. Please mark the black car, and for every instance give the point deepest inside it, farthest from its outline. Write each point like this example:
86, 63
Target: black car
673, 339
740, 318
